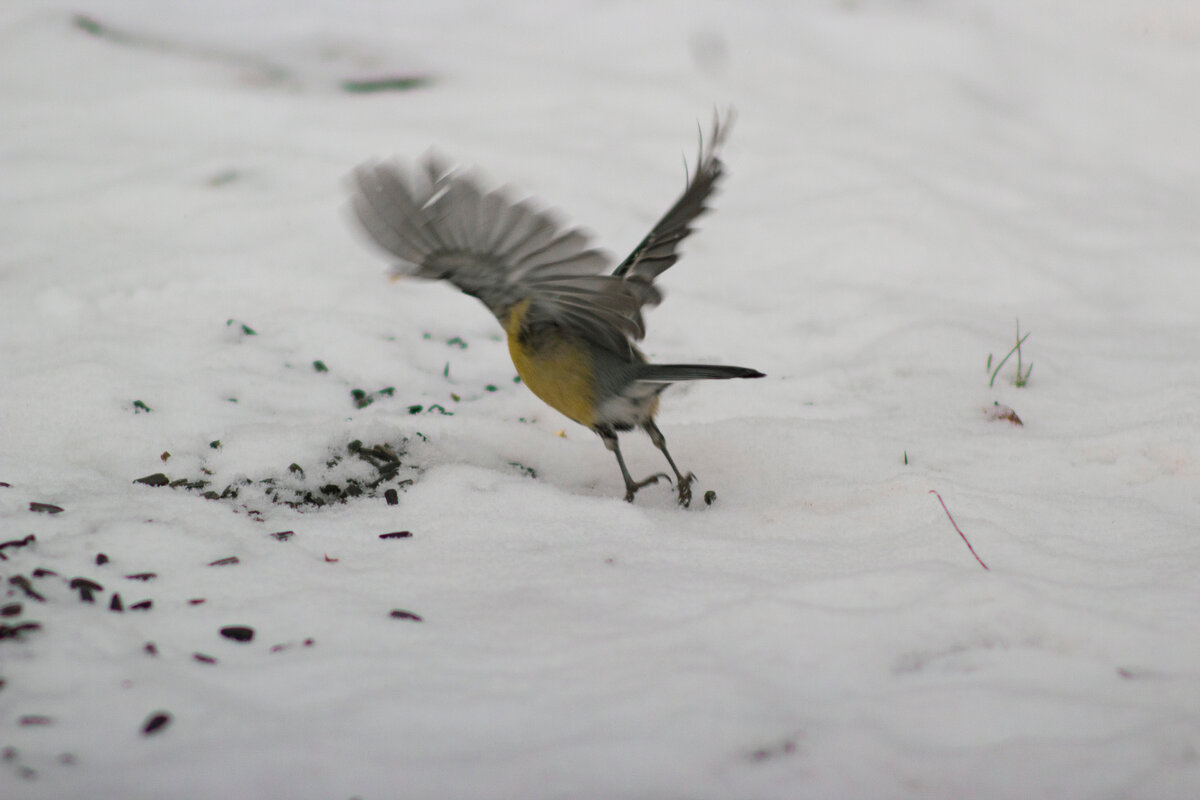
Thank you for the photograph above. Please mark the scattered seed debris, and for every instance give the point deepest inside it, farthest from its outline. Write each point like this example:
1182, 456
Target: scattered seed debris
341, 480
396, 535
246, 329
115, 603
283, 536
363, 399
150, 649
42, 572
45, 508
28, 540
144, 605
35, 719
156, 722
399, 613
239, 633
10, 610
142, 576
391, 497
165, 456
204, 658
15, 631
101, 559
195, 601
24, 584
394, 83
157, 479
86, 588
710, 497
529, 472
225, 562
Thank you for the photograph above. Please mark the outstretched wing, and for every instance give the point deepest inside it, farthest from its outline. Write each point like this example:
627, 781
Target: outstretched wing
657, 251
441, 225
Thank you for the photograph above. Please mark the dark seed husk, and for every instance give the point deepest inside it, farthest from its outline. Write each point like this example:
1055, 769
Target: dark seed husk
240, 633
28, 540
156, 479
24, 584
156, 722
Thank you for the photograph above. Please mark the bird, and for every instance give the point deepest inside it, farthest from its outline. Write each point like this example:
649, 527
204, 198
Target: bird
570, 318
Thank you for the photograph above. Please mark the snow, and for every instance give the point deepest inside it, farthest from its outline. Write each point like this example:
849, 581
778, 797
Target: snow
906, 181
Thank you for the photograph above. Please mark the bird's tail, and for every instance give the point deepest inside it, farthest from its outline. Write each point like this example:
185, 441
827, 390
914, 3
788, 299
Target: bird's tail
670, 373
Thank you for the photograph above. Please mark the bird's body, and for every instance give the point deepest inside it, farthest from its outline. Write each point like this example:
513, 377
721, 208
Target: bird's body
570, 328
556, 366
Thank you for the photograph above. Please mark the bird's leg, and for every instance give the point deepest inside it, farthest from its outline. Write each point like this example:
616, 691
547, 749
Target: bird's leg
609, 437
685, 481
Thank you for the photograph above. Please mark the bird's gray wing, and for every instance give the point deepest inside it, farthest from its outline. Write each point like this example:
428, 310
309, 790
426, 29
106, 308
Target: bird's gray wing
657, 251
441, 225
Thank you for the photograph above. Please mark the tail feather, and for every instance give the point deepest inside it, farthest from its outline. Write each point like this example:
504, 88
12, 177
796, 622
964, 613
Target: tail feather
670, 373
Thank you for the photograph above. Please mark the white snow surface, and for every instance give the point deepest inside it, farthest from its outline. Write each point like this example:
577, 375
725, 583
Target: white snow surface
905, 181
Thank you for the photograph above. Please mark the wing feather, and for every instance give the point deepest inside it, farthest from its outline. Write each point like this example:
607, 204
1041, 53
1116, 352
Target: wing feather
439, 223
657, 251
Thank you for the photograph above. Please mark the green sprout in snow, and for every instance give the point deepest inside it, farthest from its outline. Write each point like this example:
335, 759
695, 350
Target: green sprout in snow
1022, 374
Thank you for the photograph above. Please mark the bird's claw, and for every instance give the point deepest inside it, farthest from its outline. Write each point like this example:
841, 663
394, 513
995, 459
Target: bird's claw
632, 488
685, 489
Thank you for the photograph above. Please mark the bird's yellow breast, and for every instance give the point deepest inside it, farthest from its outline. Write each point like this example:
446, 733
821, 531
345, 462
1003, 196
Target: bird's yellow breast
556, 367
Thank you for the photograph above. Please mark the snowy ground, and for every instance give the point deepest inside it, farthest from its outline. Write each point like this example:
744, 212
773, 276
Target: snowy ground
906, 180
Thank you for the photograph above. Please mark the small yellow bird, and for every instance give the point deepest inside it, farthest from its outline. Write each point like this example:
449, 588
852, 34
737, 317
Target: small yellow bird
571, 326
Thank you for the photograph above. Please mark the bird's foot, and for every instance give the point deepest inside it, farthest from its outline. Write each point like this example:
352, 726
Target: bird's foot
685, 489
631, 488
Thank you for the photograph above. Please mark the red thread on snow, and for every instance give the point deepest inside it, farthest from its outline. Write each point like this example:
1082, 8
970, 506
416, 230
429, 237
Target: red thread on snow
955, 524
